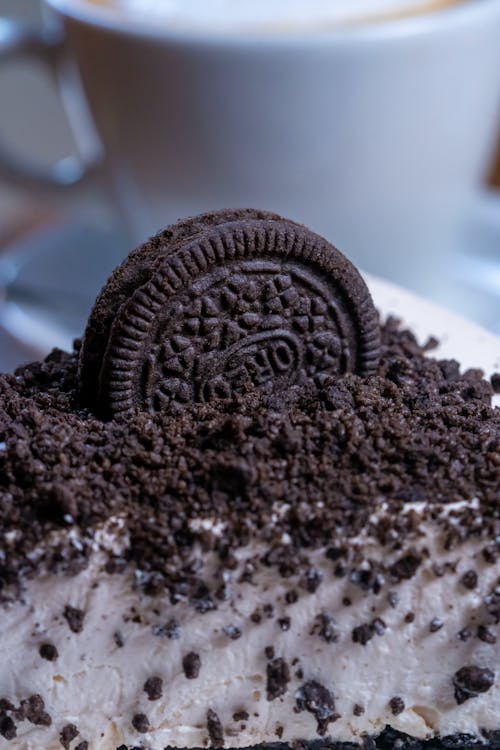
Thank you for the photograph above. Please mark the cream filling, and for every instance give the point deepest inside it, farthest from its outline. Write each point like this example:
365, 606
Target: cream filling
98, 685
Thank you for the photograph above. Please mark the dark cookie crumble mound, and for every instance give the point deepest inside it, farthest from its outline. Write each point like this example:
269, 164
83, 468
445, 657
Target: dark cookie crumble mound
417, 431
388, 739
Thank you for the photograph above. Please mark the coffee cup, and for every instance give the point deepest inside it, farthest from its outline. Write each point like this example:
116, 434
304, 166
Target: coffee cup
374, 129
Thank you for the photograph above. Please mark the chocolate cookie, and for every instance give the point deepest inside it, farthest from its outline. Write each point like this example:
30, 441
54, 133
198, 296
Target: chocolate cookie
221, 304
135, 271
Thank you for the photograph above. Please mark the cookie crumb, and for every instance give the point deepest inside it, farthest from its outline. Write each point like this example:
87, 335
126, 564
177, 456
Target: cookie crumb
68, 734
436, 624
397, 705
469, 579
470, 681
140, 722
74, 617
153, 687
191, 664
278, 677
48, 652
319, 701
215, 730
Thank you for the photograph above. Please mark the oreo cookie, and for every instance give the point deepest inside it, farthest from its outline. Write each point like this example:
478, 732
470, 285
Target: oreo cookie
221, 304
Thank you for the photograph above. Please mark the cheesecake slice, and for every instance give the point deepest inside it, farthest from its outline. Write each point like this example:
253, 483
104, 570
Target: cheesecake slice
314, 565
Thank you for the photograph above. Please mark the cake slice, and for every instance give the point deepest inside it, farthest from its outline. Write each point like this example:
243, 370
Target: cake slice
313, 558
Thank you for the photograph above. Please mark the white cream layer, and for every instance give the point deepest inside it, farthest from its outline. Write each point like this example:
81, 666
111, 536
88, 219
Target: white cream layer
98, 685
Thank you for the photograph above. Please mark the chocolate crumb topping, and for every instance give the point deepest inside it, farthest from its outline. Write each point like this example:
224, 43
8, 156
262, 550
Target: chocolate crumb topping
118, 639
82, 745
397, 705
319, 701
470, 681
386, 440
269, 652
74, 618
153, 687
140, 722
495, 382
215, 730
68, 734
191, 663
278, 677
48, 651
358, 709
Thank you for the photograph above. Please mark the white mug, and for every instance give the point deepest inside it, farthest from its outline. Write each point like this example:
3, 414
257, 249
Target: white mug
365, 133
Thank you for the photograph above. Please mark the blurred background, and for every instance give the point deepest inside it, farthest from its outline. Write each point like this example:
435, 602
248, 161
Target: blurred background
32, 228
